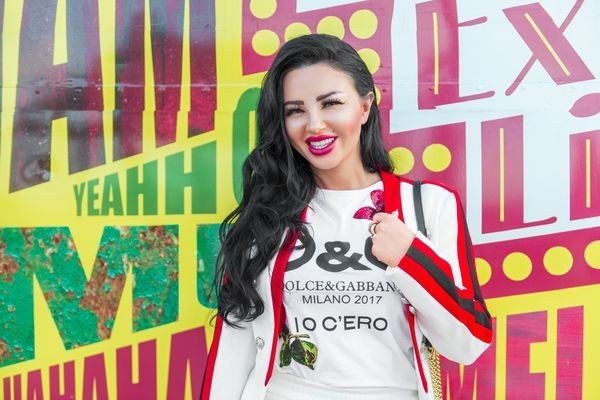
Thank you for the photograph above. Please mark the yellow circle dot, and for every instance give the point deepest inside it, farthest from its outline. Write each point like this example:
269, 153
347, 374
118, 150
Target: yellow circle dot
592, 254
265, 42
402, 159
263, 8
484, 271
363, 24
295, 30
331, 25
517, 266
377, 95
437, 157
371, 58
558, 260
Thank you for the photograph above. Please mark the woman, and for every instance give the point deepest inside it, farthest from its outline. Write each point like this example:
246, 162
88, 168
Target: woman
328, 291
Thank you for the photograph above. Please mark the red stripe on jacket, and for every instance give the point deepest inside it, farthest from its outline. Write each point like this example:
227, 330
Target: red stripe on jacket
391, 194
281, 262
277, 295
211, 360
442, 269
424, 278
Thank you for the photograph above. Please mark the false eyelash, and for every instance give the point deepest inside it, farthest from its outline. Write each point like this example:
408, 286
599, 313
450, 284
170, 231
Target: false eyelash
332, 101
290, 111
328, 102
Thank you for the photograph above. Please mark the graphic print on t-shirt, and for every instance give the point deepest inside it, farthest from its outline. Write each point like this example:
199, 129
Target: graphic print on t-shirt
345, 324
294, 347
368, 211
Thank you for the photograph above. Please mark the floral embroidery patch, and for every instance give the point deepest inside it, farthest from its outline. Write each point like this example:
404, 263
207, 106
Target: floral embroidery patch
294, 348
368, 212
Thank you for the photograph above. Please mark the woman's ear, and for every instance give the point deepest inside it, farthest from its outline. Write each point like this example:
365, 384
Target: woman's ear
367, 101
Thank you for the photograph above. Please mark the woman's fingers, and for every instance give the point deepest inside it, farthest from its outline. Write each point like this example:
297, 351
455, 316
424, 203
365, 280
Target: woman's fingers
380, 216
391, 237
372, 228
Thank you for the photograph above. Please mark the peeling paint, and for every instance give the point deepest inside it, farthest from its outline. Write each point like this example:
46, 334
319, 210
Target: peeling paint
16, 290
83, 310
8, 268
156, 283
208, 250
4, 352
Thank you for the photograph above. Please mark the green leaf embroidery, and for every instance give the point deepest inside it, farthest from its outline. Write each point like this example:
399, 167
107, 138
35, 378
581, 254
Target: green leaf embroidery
304, 352
285, 355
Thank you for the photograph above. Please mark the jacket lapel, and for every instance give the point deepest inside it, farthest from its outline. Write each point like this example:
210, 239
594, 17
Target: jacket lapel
391, 193
281, 262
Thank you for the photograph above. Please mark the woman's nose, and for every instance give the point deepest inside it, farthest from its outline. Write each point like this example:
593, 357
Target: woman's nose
315, 122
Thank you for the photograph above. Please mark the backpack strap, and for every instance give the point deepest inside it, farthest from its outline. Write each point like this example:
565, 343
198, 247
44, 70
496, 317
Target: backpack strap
419, 208
418, 205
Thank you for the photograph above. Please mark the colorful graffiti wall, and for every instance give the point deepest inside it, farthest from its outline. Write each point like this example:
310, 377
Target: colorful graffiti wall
124, 124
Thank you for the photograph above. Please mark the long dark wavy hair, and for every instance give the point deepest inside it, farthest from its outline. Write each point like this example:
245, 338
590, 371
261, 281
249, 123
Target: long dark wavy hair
278, 182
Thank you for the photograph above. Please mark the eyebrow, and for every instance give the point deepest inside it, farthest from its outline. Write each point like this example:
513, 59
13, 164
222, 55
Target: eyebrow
319, 98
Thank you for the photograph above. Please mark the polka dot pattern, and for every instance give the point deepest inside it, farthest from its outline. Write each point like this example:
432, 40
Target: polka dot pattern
265, 42
517, 266
402, 159
484, 271
263, 9
371, 58
332, 26
437, 157
296, 29
363, 24
377, 95
558, 260
592, 254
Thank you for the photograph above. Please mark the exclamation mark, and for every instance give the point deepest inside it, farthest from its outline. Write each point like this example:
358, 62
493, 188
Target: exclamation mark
436, 55
588, 174
502, 174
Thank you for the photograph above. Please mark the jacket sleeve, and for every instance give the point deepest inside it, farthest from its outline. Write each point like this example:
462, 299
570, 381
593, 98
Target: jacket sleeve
437, 277
230, 360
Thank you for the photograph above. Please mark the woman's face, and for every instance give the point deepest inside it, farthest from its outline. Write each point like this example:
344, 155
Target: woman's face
323, 117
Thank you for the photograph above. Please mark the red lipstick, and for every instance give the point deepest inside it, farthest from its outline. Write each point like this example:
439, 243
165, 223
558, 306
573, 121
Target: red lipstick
320, 145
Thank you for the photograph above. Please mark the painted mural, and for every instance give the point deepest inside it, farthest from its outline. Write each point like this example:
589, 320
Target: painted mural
124, 124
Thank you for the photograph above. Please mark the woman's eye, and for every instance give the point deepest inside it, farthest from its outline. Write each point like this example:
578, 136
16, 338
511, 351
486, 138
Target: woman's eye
291, 111
329, 103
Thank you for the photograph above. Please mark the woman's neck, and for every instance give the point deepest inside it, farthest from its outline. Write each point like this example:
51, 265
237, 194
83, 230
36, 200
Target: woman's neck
334, 180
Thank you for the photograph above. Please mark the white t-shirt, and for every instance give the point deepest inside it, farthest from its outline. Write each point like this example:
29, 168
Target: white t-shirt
347, 326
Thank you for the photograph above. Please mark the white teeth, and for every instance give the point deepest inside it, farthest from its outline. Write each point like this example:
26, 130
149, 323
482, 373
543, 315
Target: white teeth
321, 144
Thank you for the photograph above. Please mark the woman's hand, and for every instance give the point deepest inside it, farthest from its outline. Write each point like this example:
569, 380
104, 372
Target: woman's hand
391, 238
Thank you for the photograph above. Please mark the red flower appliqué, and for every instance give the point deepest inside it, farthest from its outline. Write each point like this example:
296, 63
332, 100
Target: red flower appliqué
368, 212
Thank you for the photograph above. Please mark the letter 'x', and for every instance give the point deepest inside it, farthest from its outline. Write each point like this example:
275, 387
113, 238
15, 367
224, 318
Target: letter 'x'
548, 44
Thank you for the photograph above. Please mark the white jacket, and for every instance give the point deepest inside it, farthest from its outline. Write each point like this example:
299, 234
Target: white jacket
436, 276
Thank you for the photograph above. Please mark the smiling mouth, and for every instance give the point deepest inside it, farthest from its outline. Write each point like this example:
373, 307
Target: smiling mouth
321, 145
